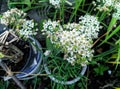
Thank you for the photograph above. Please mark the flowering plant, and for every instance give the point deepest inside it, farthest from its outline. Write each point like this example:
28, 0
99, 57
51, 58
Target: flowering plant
71, 43
15, 20
74, 39
16, 27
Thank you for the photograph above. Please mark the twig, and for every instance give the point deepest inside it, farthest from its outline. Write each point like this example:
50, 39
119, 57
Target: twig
9, 72
4, 37
30, 74
108, 85
99, 38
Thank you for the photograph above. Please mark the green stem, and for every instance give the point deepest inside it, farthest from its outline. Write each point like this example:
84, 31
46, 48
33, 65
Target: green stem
62, 11
76, 9
110, 35
111, 25
103, 15
97, 14
56, 11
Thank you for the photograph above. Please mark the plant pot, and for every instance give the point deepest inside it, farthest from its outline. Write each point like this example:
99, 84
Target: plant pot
30, 64
33, 63
72, 81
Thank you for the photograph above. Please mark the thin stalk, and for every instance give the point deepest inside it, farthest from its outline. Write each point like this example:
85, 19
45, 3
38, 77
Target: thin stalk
56, 11
111, 25
110, 35
77, 4
89, 8
62, 11
35, 83
97, 14
118, 53
102, 16
9, 72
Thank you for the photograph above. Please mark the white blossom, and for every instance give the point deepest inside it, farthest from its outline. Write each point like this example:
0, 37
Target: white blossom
28, 28
74, 39
90, 26
55, 3
11, 16
104, 5
47, 52
15, 19
75, 46
116, 13
51, 27
71, 26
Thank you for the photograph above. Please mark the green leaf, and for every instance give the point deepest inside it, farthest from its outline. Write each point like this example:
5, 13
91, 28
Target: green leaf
100, 69
49, 45
110, 35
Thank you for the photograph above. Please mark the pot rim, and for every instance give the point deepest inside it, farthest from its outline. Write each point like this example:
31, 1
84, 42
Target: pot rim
35, 67
84, 68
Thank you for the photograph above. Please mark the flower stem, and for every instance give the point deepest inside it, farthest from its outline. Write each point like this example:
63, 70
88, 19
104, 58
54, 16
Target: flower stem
9, 72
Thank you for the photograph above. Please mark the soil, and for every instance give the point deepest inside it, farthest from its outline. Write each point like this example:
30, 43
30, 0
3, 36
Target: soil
24, 47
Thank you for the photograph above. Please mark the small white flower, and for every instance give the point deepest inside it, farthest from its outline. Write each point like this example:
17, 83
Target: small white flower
55, 3
90, 26
27, 28
104, 5
47, 52
50, 28
71, 26
12, 16
116, 13
109, 72
74, 44
74, 39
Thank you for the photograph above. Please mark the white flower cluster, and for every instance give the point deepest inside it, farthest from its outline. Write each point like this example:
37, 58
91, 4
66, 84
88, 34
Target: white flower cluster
71, 26
27, 29
55, 3
74, 39
90, 26
11, 16
76, 47
109, 5
104, 5
51, 29
15, 19
116, 14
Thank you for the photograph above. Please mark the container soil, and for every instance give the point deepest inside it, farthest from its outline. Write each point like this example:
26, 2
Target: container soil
22, 57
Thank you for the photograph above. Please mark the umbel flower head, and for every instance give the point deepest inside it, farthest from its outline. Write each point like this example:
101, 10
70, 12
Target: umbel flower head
76, 47
15, 19
52, 29
109, 5
55, 3
11, 16
104, 5
116, 13
74, 39
89, 26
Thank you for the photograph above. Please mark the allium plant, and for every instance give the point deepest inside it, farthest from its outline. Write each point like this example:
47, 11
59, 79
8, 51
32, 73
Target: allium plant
15, 20
74, 39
